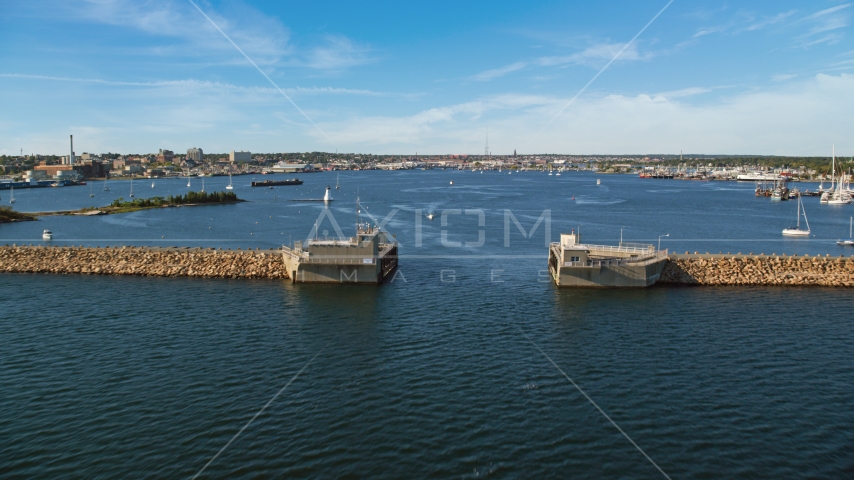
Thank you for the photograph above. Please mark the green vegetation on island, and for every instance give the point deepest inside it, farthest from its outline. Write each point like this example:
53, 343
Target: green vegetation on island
191, 198
121, 206
9, 215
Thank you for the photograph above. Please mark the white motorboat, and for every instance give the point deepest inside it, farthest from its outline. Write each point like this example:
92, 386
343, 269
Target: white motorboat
452, 182
798, 231
430, 216
850, 241
47, 235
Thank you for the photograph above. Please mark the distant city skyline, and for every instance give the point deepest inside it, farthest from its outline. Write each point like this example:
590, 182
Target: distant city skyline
770, 78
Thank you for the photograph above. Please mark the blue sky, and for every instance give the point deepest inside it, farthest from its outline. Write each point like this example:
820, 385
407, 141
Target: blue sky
763, 77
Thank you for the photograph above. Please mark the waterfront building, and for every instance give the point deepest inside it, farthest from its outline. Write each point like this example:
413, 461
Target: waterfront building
195, 154
240, 156
165, 156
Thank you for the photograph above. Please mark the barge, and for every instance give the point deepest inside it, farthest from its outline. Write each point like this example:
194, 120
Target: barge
574, 264
277, 183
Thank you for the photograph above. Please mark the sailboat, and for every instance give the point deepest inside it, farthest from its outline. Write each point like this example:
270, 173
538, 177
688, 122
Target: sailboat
203, 185
131, 188
11, 194
797, 231
230, 185
598, 182
152, 184
836, 195
337, 184
188, 179
106, 188
850, 241
91, 193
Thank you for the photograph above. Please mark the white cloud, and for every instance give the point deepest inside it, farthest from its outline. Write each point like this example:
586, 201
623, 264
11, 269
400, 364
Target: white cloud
263, 38
338, 52
206, 85
821, 23
798, 118
782, 77
498, 72
594, 55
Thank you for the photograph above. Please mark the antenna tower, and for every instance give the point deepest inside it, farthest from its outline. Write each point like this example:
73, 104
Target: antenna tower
486, 148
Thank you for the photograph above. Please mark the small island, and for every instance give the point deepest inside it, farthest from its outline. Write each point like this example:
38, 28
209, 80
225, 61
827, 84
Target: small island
7, 215
191, 199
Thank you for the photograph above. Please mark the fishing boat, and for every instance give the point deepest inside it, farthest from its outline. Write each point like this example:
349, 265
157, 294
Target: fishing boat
47, 235
850, 241
798, 231
11, 194
131, 188
230, 185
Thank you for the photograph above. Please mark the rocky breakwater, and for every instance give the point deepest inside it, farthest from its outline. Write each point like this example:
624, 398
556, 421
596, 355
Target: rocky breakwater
708, 269
143, 261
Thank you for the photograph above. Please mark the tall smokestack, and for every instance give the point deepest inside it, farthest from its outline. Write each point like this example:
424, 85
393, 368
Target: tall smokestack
71, 155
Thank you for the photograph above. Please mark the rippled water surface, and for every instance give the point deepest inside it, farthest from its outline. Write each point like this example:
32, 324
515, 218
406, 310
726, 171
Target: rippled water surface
151, 377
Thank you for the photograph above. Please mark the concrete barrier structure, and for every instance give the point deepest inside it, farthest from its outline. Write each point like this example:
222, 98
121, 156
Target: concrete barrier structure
369, 257
574, 264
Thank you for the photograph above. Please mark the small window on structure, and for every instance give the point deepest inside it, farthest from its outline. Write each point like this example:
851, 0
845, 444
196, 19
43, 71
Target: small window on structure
574, 259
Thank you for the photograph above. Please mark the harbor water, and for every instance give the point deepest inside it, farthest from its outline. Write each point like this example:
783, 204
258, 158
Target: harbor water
449, 370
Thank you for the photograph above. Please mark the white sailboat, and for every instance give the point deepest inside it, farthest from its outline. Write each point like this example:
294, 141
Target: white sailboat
131, 188
188, 179
337, 184
91, 193
598, 182
203, 185
11, 194
230, 185
837, 194
850, 241
152, 184
797, 231
106, 188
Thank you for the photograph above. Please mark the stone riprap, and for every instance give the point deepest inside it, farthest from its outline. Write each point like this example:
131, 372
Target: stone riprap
708, 269
143, 261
